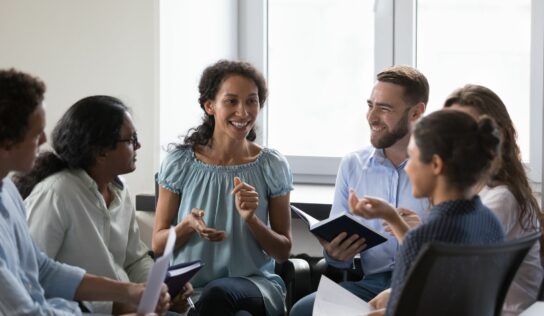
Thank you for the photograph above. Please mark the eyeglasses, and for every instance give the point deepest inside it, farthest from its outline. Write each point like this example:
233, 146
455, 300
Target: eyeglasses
133, 140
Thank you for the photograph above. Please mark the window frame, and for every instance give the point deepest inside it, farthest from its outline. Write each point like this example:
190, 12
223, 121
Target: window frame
396, 25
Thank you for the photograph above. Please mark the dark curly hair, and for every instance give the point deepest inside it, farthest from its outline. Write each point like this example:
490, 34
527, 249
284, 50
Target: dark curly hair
467, 147
510, 170
20, 95
210, 83
89, 126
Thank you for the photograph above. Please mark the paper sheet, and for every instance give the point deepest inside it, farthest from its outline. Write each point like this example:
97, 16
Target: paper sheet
537, 309
332, 299
156, 276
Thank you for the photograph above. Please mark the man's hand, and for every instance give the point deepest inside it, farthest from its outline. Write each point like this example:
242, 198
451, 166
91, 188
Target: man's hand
196, 222
179, 303
342, 247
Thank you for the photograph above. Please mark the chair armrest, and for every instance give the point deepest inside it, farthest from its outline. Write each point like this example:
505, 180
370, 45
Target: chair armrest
296, 275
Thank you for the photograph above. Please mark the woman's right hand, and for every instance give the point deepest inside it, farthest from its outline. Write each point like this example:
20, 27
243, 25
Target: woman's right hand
196, 222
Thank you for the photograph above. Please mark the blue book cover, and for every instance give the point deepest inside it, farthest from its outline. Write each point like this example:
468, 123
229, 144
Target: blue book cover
329, 228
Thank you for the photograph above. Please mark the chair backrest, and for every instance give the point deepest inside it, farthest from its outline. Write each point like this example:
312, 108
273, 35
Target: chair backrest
453, 279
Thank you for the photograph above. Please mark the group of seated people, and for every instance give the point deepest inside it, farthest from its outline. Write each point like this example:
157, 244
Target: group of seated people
454, 175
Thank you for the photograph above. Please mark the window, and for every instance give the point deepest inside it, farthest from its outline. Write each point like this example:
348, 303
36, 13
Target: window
320, 73
321, 56
486, 42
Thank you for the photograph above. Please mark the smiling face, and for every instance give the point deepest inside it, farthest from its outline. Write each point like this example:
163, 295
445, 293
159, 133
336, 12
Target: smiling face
235, 107
22, 155
388, 115
421, 174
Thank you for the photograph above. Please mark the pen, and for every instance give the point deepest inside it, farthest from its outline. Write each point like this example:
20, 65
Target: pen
190, 303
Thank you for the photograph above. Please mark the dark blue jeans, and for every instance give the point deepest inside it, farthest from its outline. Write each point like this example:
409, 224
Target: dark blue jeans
230, 296
366, 289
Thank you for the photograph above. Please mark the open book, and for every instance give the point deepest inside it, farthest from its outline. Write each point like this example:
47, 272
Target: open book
329, 228
178, 275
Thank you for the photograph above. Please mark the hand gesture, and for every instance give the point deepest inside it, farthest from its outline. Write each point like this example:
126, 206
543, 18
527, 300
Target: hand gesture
179, 303
410, 218
247, 199
342, 247
370, 208
196, 222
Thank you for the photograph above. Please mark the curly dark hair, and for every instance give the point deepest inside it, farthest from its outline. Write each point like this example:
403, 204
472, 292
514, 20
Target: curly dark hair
416, 86
467, 147
210, 83
20, 95
91, 125
510, 170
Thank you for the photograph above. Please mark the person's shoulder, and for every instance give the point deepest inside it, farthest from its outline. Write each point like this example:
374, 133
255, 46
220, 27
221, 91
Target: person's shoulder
361, 155
62, 181
177, 159
358, 159
178, 154
272, 154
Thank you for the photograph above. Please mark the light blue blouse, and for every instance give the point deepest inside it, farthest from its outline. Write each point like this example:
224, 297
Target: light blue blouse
209, 187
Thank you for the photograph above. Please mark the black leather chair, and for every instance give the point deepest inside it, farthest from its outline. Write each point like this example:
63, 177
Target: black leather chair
453, 279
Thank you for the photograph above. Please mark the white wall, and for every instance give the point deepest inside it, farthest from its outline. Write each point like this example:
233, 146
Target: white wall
80, 48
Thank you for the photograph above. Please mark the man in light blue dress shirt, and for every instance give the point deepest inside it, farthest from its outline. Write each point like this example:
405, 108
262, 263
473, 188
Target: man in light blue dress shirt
30, 282
398, 99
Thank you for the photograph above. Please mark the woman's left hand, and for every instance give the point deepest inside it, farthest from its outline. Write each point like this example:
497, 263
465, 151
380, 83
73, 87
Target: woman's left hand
247, 199
370, 208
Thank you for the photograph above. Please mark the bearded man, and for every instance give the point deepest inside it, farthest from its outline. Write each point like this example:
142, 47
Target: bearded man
398, 99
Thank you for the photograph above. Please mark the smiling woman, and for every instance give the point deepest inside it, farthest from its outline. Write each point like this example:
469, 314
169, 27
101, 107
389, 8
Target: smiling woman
229, 198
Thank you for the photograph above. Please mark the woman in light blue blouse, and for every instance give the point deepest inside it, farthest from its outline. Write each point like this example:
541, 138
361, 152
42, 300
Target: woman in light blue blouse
229, 199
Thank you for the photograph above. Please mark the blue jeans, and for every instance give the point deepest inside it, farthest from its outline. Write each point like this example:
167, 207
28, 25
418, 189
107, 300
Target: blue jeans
230, 296
366, 289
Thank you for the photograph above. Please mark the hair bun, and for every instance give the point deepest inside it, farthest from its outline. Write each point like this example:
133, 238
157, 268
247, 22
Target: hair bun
488, 136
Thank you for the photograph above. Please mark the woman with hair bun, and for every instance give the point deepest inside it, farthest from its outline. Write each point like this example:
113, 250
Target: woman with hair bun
507, 192
449, 152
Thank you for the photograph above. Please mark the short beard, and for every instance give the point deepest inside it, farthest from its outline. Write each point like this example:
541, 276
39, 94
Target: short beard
389, 139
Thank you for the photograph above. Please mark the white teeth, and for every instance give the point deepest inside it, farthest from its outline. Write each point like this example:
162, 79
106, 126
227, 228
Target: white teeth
240, 124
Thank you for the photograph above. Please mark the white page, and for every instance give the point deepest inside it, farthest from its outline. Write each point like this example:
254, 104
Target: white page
332, 299
156, 276
537, 309
309, 219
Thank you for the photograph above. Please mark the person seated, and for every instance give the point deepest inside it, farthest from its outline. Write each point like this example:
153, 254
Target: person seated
398, 99
228, 198
507, 192
80, 211
31, 283
449, 153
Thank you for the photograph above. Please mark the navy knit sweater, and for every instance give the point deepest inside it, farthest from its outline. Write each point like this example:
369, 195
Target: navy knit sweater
458, 222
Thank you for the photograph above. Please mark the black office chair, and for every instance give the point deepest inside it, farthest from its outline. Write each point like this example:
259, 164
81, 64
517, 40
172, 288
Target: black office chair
453, 279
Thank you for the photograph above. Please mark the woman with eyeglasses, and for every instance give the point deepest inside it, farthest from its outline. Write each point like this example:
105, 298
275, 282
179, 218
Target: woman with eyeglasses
80, 211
